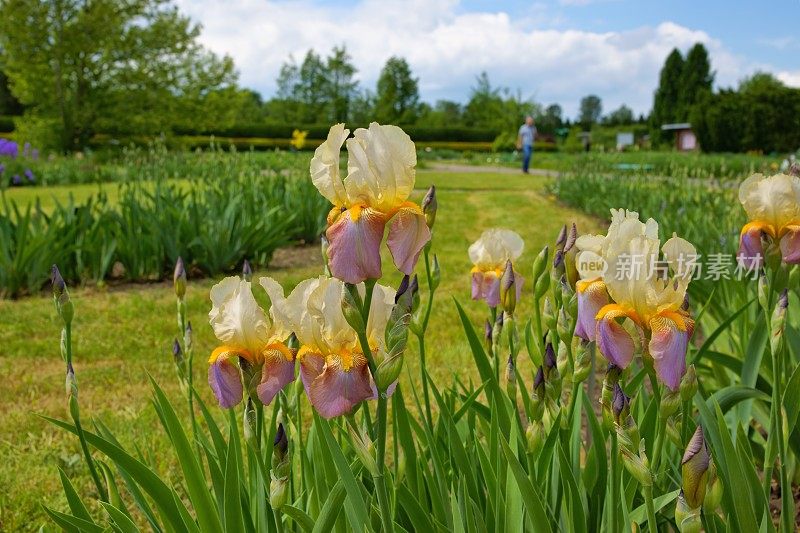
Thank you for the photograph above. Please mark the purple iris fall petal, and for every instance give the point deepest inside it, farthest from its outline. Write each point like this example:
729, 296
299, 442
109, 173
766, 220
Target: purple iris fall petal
225, 381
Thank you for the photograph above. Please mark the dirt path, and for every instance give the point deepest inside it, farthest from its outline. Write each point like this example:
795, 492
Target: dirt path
475, 169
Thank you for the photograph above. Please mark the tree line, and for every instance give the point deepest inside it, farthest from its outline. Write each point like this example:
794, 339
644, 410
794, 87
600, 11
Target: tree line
70, 69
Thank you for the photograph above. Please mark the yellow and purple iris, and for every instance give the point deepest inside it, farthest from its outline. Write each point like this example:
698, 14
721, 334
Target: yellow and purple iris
489, 255
634, 287
253, 342
380, 178
772, 205
333, 366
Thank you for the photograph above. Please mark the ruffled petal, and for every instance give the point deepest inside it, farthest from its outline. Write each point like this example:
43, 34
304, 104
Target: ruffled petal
225, 381
668, 344
277, 372
311, 366
336, 392
408, 234
790, 245
495, 247
355, 245
774, 199
325, 166
592, 297
486, 286
751, 247
614, 341
236, 317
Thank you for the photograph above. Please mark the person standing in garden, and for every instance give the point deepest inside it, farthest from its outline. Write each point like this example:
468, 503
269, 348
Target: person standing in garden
525, 138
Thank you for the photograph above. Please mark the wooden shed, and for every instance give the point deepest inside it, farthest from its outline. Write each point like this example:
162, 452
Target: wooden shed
685, 140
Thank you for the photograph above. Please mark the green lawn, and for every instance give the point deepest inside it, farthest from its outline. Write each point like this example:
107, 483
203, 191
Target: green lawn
123, 334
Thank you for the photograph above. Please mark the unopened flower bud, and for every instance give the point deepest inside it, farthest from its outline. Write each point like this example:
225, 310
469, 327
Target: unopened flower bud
542, 285
429, 206
620, 405
670, 402
713, 491
571, 237
694, 469
487, 335
779, 321
688, 520
179, 278
71, 382
280, 445
508, 289
177, 353
583, 362
436, 273
688, 386
540, 263
559, 268
563, 324
188, 337
539, 384
548, 314
550, 363
534, 434
249, 421
351, 307
763, 291
511, 375
247, 271
61, 296
561, 240
562, 360
607, 395
388, 372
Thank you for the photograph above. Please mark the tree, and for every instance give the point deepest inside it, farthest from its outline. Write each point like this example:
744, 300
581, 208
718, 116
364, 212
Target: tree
81, 66
8, 104
397, 93
620, 117
340, 84
443, 114
695, 82
312, 90
591, 109
668, 94
551, 119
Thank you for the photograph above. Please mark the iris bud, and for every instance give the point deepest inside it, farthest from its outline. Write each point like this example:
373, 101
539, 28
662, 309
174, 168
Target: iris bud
351, 307
436, 274
713, 491
637, 465
563, 324
670, 403
249, 421
247, 271
550, 363
688, 387
364, 448
620, 405
177, 353
179, 278
542, 284
779, 321
188, 337
430, 206
71, 382
278, 493
694, 469
487, 335
539, 383
508, 289
388, 371
540, 263
61, 296
583, 362
548, 314
534, 434
562, 360
561, 240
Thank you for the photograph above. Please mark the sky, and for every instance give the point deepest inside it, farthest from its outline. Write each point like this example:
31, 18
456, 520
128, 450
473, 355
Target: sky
552, 52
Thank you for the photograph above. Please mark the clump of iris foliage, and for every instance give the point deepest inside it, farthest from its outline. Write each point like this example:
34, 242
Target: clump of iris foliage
644, 408
229, 210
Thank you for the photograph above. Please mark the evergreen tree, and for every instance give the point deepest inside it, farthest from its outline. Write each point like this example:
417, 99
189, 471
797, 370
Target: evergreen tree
591, 109
668, 95
397, 94
695, 82
340, 84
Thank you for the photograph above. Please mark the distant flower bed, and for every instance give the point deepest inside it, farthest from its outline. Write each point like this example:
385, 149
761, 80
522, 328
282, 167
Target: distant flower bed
15, 167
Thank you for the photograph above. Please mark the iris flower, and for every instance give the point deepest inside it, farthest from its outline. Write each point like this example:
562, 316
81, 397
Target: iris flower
333, 367
490, 254
250, 337
772, 205
380, 178
641, 287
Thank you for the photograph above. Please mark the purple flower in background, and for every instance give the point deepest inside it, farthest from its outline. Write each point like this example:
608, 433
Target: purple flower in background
16, 180
35, 154
9, 148
26, 150
30, 176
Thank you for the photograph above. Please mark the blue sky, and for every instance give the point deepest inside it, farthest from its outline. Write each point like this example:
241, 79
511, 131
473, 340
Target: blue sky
554, 51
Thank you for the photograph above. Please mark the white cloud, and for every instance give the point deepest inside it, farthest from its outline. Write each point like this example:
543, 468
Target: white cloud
447, 48
792, 79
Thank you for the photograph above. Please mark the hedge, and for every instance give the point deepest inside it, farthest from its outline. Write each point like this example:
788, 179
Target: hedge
320, 132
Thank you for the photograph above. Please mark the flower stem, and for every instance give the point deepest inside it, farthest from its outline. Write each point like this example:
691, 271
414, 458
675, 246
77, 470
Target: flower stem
424, 377
651, 509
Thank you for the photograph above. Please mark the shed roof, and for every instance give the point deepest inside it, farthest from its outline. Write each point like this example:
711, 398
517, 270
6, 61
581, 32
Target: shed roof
676, 126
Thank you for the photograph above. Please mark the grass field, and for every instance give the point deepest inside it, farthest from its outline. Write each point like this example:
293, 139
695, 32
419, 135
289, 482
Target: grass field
122, 334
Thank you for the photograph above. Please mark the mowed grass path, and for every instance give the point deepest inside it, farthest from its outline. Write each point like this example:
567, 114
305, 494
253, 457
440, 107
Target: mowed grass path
123, 334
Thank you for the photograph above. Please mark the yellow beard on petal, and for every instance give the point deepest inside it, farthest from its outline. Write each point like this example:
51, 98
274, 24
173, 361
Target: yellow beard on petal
229, 351
762, 225
616, 311
277, 351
